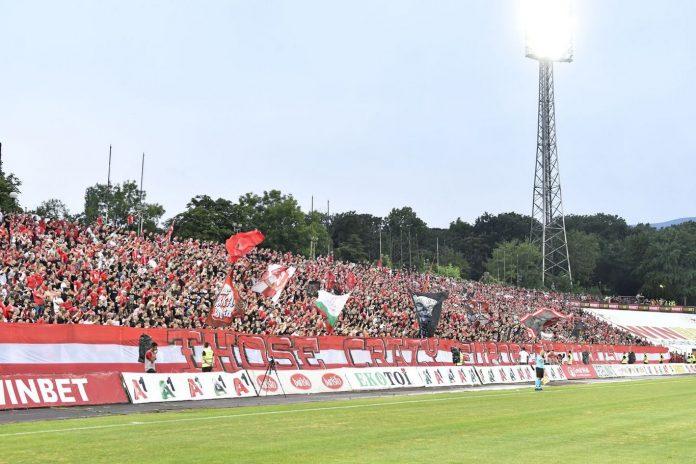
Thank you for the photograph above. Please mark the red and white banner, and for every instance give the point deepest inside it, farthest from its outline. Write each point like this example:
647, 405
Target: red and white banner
79, 349
226, 304
579, 371
156, 388
273, 281
36, 391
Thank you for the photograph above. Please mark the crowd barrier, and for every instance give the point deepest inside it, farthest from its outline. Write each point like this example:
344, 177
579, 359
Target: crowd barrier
635, 307
30, 391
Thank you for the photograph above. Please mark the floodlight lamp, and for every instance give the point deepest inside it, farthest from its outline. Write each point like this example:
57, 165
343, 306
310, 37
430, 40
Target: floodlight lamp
548, 30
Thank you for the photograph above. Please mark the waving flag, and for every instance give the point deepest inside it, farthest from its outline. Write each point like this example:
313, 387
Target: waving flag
242, 243
331, 305
541, 319
226, 305
273, 281
428, 308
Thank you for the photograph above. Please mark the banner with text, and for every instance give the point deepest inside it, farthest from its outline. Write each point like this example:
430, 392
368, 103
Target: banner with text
36, 391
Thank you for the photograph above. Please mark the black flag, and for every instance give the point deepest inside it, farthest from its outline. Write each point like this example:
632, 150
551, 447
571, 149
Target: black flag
144, 344
428, 308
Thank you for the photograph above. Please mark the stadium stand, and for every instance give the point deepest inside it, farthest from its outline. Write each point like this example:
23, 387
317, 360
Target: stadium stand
59, 272
676, 331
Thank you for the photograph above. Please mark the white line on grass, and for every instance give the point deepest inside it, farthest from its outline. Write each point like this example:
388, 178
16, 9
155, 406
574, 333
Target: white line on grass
328, 408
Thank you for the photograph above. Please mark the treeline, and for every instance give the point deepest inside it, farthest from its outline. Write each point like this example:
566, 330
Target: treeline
607, 255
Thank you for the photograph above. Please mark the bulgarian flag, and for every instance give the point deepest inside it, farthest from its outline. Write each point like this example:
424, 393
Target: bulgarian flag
331, 305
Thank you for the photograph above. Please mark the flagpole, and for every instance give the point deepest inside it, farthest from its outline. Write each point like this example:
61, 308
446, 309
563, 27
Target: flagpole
328, 242
108, 186
437, 251
380, 243
142, 171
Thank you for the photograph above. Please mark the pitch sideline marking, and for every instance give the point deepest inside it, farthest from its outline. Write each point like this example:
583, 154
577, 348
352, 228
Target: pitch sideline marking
328, 408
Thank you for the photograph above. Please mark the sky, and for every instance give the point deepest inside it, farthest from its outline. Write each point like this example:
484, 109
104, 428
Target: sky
369, 104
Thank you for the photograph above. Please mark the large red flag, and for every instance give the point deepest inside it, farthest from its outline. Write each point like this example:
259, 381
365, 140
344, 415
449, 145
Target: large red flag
242, 243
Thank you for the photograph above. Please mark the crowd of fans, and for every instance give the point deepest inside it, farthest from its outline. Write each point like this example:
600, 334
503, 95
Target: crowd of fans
58, 272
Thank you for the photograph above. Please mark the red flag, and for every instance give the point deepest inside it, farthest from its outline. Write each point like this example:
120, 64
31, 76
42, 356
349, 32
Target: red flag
226, 305
168, 237
351, 281
242, 243
330, 280
130, 219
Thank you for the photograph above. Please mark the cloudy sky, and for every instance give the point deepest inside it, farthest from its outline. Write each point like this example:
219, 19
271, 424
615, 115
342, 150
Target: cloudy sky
370, 104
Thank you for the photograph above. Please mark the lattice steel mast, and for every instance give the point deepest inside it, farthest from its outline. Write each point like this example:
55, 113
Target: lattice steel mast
548, 221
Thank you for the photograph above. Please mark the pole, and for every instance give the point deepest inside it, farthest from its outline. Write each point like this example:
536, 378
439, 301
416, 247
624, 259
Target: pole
380, 244
108, 175
328, 242
142, 172
108, 187
409, 248
437, 251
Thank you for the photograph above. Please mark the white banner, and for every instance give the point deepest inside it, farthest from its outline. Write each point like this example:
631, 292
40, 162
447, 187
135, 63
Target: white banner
300, 381
505, 374
155, 388
382, 378
638, 370
448, 376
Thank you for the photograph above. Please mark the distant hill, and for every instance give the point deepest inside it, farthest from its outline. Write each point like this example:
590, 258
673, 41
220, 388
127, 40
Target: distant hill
673, 222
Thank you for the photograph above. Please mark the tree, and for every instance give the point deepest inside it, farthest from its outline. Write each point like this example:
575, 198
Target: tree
365, 226
516, 263
584, 252
351, 250
9, 185
53, 209
669, 265
208, 219
119, 201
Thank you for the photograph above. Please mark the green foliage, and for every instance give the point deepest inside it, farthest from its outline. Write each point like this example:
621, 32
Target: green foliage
351, 250
53, 209
117, 202
516, 263
584, 252
9, 184
449, 271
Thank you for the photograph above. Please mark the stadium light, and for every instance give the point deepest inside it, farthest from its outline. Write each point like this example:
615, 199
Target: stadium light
548, 30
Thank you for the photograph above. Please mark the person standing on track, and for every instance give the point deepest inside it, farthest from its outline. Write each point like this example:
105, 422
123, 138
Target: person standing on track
207, 358
151, 359
539, 363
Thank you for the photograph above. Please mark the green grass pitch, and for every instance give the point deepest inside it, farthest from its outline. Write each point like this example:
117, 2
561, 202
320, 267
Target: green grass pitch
633, 422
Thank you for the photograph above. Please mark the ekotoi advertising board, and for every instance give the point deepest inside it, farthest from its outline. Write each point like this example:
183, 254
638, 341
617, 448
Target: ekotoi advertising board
448, 376
154, 388
383, 378
299, 381
42, 390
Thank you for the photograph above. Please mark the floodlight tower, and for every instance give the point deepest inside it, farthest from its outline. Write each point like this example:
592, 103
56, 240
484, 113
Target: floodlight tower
549, 40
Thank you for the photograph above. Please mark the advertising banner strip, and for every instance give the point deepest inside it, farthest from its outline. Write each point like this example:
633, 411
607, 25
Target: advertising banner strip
36, 391
299, 381
155, 388
449, 376
579, 371
505, 374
